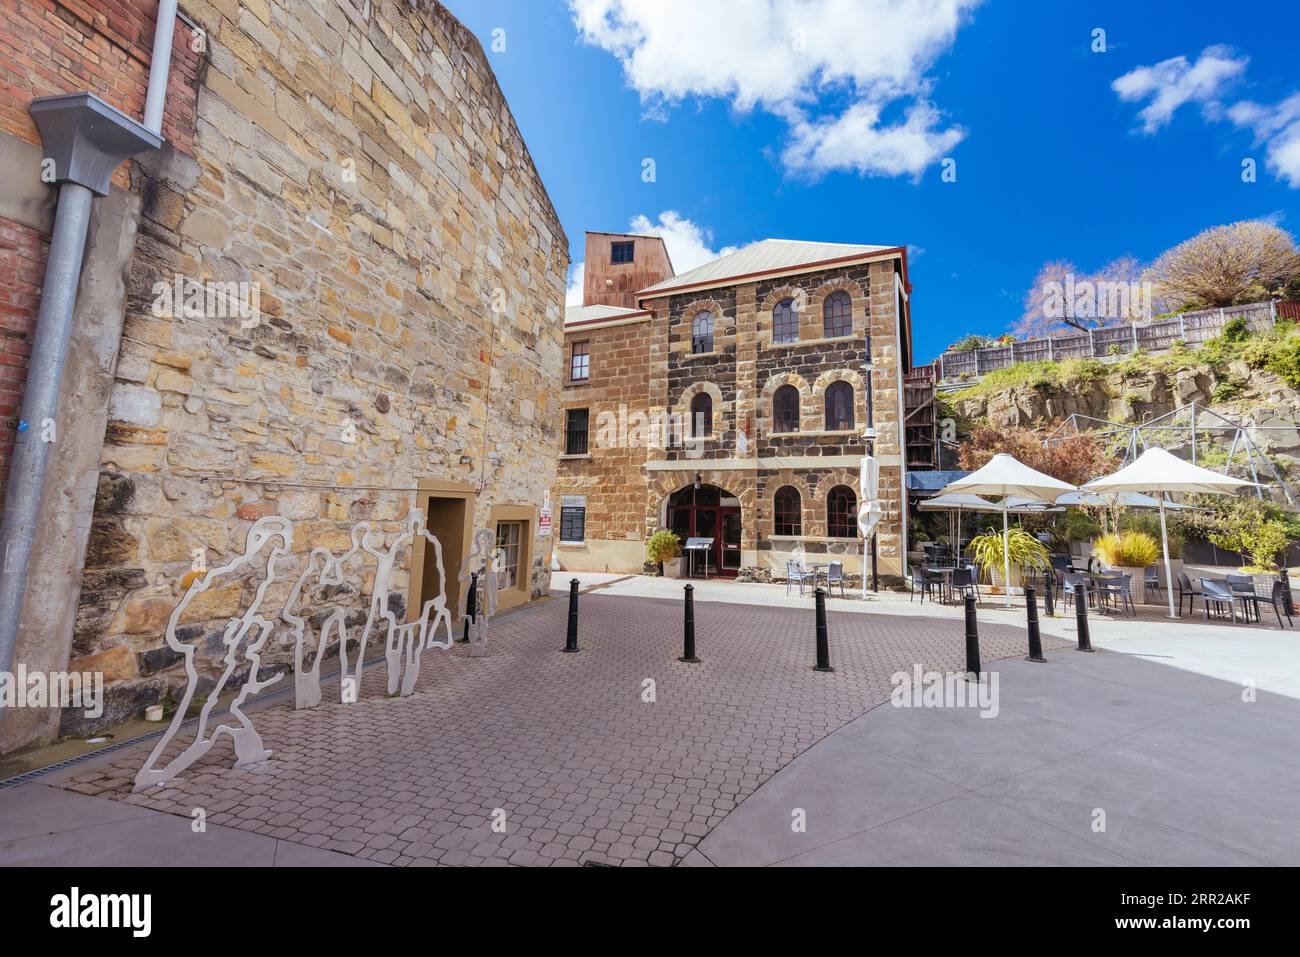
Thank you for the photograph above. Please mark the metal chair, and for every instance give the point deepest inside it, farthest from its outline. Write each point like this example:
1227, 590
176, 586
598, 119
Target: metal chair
794, 572
920, 578
1070, 583
1119, 587
1277, 600
1189, 591
963, 582
1217, 593
835, 576
1243, 586
1154, 579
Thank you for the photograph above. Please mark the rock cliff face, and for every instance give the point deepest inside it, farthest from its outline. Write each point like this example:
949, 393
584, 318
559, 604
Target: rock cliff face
1247, 396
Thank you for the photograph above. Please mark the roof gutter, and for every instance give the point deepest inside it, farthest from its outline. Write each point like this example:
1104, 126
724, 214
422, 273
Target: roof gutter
86, 139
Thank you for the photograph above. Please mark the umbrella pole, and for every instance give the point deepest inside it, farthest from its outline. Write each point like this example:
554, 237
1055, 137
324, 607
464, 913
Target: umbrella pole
1006, 554
1169, 570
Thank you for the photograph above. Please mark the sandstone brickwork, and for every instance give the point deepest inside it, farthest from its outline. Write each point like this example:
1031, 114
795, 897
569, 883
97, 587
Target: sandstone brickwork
742, 454
358, 167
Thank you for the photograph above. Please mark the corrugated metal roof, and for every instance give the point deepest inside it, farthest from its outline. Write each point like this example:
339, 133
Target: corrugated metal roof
574, 314
763, 256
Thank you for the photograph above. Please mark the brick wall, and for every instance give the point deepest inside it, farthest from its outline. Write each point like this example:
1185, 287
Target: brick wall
49, 47
22, 267
615, 395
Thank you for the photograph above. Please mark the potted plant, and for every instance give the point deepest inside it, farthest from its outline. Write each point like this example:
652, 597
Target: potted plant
1078, 527
1023, 550
1150, 524
664, 547
1130, 552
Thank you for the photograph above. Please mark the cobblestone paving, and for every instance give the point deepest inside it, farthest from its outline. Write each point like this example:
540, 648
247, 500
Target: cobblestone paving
584, 768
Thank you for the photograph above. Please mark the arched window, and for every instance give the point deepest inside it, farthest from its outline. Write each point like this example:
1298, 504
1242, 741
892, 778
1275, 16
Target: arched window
702, 415
837, 315
785, 409
839, 407
842, 513
785, 322
702, 332
789, 521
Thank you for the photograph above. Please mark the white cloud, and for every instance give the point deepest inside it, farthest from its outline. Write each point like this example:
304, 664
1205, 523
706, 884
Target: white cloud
573, 295
689, 245
785, 57
857, 142
1175, 82
1278, 128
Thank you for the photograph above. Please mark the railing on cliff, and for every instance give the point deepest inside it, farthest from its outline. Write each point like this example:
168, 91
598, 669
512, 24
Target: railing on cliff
1192, 328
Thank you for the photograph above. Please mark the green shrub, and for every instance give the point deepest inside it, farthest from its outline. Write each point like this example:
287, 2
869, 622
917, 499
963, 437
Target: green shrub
1079, 526
1256, 529
663, 546
1024, 550
1131, 549
1148, 523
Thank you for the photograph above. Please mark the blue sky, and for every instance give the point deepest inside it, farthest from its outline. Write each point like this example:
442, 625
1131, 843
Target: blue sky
831, 120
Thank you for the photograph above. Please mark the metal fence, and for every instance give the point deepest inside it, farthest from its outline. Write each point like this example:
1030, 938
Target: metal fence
1192, 328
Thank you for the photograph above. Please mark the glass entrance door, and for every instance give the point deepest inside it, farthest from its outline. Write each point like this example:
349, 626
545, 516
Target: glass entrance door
729, 541
699, 513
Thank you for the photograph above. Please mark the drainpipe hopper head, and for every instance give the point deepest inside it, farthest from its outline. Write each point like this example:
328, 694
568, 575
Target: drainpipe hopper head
87, 139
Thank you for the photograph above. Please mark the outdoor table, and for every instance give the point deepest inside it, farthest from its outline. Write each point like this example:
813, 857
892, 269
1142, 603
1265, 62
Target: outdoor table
819, 568
946, 571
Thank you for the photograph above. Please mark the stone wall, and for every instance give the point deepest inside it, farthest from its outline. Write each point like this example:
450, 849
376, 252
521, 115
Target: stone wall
359, 166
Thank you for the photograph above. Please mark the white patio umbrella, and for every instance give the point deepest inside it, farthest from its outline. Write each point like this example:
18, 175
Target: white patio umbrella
1007, 476
958, 503
1127, 499
869, 510
1162, 473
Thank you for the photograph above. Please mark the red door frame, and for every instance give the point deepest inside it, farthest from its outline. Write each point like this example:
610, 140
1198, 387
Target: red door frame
719, 511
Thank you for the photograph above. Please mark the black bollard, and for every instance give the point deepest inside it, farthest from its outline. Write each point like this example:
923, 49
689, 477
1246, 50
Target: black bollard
1031, 611
823, 643
1049, 600
471, 603
571, 639
1081, 615
688, 640
972, 639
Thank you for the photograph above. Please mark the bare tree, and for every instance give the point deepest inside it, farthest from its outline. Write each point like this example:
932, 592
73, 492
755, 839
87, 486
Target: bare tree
1062, 298
1241, 262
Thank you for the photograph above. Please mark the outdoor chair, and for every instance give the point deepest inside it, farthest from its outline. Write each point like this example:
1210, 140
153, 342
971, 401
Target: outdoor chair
963, 582
1243, 586
1118, 587
835, 576
1189, 591
919, 578
1061, 563
1277, 600
1155, 578
936, 579
1216, 592
1070, 583
794, 572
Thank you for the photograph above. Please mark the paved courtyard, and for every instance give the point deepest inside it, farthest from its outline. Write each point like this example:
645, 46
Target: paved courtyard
583, 768
588, 767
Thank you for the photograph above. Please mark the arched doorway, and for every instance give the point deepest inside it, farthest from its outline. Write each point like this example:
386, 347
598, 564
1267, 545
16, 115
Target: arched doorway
706, 511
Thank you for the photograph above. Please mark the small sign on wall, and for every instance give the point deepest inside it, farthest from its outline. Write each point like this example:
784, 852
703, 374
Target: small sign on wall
544, 522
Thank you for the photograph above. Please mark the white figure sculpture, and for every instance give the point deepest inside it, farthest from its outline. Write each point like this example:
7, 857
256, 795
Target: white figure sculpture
306, 681
484, 560
247, 632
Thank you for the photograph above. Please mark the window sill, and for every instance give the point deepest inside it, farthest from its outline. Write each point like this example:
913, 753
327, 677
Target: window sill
832, 340
815, 433
692, 356
571, 544
577, 382
573, 456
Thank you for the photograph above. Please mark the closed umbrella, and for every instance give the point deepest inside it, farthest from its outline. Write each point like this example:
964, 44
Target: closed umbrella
869, 510
1161, 473
1007, 476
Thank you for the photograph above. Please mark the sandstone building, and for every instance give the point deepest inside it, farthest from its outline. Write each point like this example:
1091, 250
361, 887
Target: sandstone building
353, 168
730, 402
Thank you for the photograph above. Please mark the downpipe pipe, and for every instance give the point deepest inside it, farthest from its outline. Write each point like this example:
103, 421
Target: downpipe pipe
86, 140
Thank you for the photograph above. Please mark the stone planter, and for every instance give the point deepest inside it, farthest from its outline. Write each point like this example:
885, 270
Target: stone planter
675, 568
1017, 580
1137, 586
